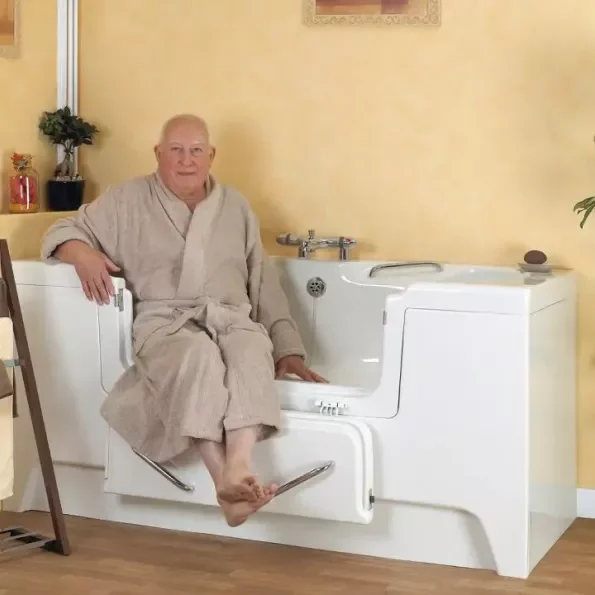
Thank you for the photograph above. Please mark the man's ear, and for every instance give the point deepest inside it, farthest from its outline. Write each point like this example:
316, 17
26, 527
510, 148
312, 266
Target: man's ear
156, 151
213, 153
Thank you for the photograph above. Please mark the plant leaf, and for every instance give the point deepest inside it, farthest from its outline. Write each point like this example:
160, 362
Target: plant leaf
587, 212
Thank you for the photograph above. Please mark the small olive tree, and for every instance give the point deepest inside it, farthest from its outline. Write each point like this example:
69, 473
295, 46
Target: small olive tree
63, 128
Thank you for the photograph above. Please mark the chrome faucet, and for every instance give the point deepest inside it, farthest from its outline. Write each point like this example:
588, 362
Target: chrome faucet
309, 245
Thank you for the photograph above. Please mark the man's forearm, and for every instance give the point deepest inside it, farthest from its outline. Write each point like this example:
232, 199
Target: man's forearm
71, 251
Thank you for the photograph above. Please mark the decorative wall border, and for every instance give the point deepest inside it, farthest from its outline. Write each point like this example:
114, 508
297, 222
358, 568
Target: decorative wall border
431, 18
14, 51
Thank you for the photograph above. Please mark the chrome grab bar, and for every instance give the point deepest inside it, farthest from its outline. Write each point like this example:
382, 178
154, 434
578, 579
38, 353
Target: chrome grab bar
284, 488
305, 477
163, 471
415, 263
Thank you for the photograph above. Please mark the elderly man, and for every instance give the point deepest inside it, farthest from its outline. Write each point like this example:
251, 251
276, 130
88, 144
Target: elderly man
212, 325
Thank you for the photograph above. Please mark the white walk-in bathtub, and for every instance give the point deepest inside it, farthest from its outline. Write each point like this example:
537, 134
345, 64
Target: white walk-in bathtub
450, 414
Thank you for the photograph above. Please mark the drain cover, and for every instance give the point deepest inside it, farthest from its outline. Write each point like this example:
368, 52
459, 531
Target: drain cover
316, 287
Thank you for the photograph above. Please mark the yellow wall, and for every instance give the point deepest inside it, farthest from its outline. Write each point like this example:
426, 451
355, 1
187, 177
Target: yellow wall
469, 143
28, 86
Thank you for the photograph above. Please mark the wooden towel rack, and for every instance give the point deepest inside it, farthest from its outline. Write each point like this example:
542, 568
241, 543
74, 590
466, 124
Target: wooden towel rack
19, 538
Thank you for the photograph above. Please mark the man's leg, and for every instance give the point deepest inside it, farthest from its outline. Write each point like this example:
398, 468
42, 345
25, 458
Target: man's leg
236, 513
186, 397
253, 410
189, 398
236, 481
186, 406
238, 461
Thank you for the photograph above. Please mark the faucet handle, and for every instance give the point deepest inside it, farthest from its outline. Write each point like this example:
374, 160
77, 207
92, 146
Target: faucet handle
311, 234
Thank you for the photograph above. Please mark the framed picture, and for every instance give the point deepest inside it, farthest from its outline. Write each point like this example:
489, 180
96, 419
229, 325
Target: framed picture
9, 42
372, 12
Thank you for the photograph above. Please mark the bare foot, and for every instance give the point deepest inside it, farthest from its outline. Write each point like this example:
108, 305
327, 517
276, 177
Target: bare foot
237, 484
237, 513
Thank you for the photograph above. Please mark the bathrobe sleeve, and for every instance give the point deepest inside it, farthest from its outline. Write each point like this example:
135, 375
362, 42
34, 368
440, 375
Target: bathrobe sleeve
269, 302
95, 224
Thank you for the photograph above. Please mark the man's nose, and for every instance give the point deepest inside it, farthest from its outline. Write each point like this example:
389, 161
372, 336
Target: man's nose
186, 158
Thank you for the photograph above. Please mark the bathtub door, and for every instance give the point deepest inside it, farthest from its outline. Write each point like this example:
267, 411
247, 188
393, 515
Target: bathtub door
62, 330
343, 493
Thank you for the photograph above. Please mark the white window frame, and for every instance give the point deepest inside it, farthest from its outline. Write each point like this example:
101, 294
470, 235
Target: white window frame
67, 61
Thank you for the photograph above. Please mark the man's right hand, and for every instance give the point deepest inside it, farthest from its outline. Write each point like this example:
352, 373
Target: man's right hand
92, 267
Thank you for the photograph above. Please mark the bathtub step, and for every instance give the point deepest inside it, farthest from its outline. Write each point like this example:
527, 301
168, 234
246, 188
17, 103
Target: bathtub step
337, 487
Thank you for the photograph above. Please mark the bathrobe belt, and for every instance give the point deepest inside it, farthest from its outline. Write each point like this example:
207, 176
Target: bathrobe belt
197, 313
184, 311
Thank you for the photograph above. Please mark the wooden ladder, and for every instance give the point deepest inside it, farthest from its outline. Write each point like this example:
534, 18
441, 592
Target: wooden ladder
16, 537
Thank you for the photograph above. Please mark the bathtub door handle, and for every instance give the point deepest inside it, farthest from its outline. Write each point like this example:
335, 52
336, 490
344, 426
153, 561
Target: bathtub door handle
395, 265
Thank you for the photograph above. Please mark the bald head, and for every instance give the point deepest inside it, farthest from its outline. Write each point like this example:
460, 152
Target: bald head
184, 156
183, 120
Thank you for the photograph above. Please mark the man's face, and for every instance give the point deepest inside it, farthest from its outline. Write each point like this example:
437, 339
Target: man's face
184, 158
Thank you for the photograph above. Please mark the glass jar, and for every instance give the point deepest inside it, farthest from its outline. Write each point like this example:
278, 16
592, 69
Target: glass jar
23, 185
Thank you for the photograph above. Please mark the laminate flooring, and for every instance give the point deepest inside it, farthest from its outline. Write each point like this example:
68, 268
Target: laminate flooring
117, 559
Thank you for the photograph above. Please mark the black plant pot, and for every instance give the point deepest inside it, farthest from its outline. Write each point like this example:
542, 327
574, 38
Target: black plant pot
65, 195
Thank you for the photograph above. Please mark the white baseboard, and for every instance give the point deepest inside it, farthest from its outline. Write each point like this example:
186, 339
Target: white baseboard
585, 503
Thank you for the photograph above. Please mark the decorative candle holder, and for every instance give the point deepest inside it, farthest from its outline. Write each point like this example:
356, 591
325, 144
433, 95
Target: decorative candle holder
23, 185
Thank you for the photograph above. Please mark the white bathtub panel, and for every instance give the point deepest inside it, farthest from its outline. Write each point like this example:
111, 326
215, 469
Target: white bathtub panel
62, 330
552, 440
34, 272
341, 494
461, 432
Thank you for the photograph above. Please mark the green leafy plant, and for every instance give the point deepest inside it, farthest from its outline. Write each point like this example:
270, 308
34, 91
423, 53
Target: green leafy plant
586, 207
64, 128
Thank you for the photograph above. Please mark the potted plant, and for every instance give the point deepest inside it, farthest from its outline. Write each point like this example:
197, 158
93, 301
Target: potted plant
585, 206
62, 127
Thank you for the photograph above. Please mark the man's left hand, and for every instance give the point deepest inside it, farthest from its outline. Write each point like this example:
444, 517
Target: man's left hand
294, 364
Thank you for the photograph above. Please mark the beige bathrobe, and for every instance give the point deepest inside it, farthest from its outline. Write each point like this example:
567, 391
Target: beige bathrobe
211, 318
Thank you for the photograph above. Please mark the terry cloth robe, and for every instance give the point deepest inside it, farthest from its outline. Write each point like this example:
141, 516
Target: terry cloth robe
210, 319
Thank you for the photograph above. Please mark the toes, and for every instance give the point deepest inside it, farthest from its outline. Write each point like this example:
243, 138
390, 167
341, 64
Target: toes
237, 493
267, 497
270, 490
238, 510
259, 491
238, 486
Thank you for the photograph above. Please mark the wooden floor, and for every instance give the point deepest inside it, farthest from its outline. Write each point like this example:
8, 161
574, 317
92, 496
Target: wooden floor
113, 559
